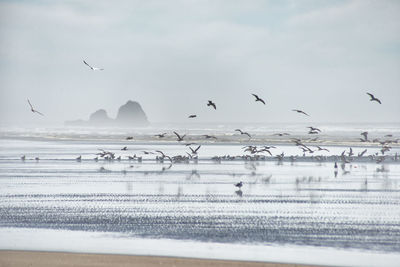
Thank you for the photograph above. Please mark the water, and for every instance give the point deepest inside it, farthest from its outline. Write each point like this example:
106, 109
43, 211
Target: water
287, 206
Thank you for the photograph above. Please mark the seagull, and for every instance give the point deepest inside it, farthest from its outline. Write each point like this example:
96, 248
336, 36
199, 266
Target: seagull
365, 134
300, 111
258, 99
362, 153
78, 159
239, 185
92, 68
209, 136
180, 138
314, 129
245, 133
210, 103
34, 110
194, 151
192, 116
320, 149
373, 98
160, 135
125, 148
129, 138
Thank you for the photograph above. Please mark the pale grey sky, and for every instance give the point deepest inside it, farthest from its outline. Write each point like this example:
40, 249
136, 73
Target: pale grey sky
173, 56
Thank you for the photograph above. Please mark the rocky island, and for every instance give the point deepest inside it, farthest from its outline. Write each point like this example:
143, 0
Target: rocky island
130, 114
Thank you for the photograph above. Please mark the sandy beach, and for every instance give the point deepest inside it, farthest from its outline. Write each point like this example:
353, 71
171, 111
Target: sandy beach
54, 259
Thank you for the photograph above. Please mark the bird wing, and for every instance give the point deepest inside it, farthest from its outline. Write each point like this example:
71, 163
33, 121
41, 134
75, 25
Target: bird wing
197, 148
247, 134
177, 135
87, 64
371, 95
262, 101
38, 112
215, 107
377, 100
256, 96
304, 113
30, 103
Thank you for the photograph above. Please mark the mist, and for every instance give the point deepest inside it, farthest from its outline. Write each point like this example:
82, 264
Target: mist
172, 57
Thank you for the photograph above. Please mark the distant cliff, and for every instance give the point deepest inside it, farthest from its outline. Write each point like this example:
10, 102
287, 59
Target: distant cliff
130, 115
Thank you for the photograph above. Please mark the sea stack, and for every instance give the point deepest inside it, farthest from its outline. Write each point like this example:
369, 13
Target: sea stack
131, 114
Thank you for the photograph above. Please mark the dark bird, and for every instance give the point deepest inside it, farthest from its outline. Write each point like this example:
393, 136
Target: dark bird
314, 129
129, 138
320, 149
258, 99
362, 153
239, 185
373, 98
192, 116
124, 148
180, 138
210, 103
194, 151
209, 136
32, 109
365, 134
300, 111
245, 133
92, 68
160, 135
281, 134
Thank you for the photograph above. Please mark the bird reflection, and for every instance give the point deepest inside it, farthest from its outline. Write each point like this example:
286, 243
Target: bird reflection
239, 193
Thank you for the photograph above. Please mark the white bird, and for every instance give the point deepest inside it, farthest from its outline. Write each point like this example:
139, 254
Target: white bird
92, 68
34, 110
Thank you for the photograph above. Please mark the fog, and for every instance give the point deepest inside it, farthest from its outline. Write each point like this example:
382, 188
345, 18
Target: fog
173, 56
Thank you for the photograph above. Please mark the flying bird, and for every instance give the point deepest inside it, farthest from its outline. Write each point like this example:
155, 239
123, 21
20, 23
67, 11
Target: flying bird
314, 129
160, 135
192, 116
34, 110
300, 111
258, 99
92, 68
194, 151
239, 185
245, 133
373, 98
180, 137
210, 103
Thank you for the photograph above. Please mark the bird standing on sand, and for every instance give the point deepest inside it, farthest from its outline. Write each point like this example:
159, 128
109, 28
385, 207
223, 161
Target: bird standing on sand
373, 98
125, 148
92, 68
258, 99
300, 111
210, 103
34, 110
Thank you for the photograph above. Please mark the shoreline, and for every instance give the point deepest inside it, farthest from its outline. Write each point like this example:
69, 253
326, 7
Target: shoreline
11, 258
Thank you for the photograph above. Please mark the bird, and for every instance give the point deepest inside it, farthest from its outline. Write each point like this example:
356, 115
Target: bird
245, 133
258, 99
92, 68
78, 159
320, 149
160, 135
281, 134
23, 157
192, 116
373, 98
194, 151
300, 111
124, 148
34, 110
210, 103
365, 134
209, 136
180, 137
129, 138
314, 129
239, 185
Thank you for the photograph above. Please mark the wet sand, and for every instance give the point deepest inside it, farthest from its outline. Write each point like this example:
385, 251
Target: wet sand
54, 259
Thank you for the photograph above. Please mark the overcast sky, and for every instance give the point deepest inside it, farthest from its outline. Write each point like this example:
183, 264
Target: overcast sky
173, 56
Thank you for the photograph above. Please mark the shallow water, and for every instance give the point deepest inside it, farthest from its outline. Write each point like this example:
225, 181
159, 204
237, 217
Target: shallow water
282, 204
